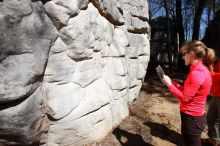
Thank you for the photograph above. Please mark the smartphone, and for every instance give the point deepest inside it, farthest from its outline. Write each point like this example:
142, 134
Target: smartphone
160, 71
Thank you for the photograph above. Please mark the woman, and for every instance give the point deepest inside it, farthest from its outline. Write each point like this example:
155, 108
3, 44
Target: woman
192, 95
213, 114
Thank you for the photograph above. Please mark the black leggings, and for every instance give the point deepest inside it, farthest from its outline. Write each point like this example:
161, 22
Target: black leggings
191, 129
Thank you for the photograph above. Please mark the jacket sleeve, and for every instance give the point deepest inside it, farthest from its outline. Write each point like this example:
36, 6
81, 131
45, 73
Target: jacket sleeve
190, 88
178, 86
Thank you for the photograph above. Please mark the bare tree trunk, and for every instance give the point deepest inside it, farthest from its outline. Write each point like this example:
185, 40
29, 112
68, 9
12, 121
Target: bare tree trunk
186, 22
213, 4
179, 18
198, 15
169, 46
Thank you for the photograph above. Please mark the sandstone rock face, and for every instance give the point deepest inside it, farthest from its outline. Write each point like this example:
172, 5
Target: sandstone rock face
69, 68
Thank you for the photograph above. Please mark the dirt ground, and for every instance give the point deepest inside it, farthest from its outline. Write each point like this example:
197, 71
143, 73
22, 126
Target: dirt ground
154, 119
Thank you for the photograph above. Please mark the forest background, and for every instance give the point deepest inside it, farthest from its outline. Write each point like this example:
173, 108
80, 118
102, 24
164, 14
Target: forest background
174, 22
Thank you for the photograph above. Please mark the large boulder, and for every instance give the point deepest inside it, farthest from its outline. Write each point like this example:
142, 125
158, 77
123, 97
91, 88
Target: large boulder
26, 35
69, 69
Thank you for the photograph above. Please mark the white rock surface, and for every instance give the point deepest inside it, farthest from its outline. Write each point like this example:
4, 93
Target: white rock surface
79, 75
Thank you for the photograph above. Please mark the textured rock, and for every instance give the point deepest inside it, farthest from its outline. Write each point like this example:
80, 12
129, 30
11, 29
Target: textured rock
67, 77
24, 51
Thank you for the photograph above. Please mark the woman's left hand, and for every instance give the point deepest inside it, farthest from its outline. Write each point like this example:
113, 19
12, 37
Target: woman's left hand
166, 80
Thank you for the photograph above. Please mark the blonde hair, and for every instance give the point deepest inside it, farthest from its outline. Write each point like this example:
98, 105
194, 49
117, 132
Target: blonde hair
201, 51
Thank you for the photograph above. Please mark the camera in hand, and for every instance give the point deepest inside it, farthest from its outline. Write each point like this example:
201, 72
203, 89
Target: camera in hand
160, 71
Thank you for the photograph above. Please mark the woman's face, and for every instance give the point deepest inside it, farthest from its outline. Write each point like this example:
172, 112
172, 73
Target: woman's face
187, 56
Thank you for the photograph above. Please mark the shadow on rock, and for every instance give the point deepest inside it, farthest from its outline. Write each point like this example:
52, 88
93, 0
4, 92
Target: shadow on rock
128, 139
161, 131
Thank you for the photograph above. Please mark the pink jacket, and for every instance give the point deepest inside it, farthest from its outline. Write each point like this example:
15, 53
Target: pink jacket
215, 90
192, 95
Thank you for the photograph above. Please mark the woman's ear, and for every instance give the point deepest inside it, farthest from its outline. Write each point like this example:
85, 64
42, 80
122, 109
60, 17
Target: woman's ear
192, 53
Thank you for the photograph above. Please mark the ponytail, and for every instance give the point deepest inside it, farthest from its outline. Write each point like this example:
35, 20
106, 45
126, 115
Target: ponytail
209, 58
207, 55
